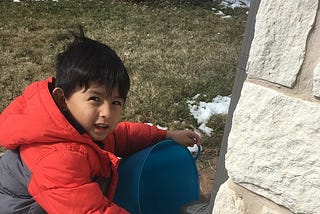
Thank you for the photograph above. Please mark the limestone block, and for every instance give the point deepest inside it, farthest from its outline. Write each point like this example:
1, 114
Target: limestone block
278, 47
267, 210
233, 198
316, 81
273, 148
227, 202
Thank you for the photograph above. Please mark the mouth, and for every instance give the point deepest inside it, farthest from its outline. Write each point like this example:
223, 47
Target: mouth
101, 126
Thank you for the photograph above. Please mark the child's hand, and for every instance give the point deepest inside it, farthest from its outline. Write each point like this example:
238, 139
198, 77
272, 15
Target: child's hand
184, 137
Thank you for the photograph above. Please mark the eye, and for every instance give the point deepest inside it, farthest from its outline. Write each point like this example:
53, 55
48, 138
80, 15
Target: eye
96, 99
117, 102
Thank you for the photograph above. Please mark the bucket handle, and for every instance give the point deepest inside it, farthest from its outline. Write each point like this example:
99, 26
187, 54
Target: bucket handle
198, 152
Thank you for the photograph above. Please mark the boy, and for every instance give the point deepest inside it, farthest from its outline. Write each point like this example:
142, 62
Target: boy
63, 136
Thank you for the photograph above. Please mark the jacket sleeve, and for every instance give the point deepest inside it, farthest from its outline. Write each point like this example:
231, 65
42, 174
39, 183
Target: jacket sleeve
132, 137
61, 182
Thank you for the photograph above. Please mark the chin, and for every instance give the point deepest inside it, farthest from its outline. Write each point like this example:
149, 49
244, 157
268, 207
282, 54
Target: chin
99, 138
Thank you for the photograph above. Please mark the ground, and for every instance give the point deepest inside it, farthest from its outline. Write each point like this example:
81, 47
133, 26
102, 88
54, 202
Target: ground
207, 164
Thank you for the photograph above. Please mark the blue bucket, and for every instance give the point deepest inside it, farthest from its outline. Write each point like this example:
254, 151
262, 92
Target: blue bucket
157, 180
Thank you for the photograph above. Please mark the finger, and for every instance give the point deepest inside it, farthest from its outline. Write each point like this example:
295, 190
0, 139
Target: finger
189, 141
196, 138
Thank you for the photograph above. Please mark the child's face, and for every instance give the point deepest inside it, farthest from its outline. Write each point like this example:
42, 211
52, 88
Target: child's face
95, 111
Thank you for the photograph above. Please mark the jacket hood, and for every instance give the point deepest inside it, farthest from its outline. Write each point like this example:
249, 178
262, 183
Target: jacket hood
34, 117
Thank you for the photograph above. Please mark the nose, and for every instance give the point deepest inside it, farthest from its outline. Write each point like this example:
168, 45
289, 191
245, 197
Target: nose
105, 110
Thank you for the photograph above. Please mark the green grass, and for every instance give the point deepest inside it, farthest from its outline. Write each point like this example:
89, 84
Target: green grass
172, 49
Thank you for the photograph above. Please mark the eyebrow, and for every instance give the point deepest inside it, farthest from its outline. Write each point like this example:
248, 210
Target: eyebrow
103, 94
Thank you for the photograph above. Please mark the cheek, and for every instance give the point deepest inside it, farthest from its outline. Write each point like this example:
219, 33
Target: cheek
81, 114
117, 116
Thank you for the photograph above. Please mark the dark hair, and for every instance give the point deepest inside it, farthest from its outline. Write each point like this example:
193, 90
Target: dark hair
86, 60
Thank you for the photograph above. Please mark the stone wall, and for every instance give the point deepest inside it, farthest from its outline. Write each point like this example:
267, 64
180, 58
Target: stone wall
273, 154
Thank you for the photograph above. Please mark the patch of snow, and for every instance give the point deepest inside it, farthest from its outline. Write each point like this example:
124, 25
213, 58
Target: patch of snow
203, 111
235, 3
159, 127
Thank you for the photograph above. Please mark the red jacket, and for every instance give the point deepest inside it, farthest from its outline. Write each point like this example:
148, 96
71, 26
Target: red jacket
64, 163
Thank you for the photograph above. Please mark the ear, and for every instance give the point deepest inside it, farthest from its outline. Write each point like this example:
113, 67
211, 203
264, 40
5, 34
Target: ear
59, 98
